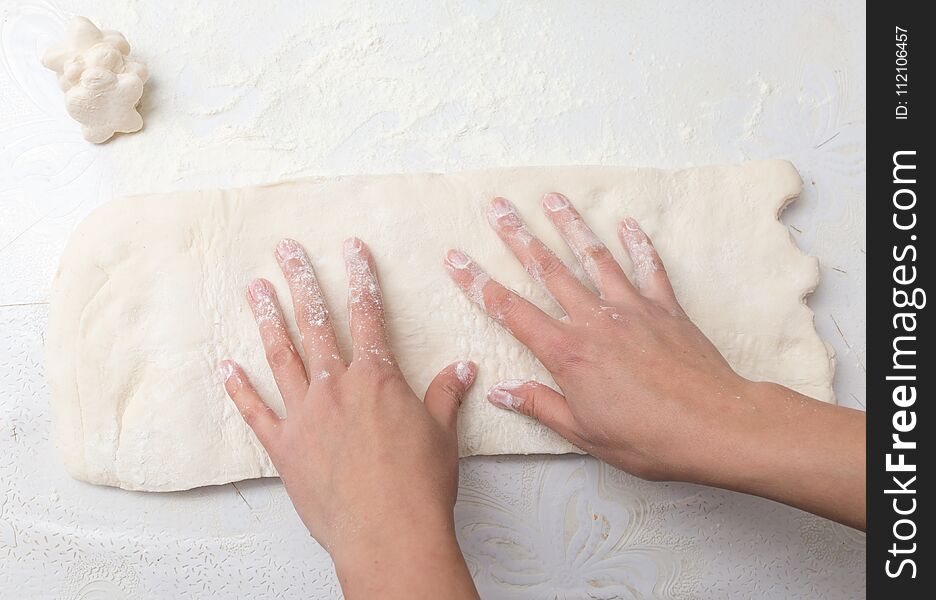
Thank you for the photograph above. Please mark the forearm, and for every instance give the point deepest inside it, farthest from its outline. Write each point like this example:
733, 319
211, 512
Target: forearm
796, 450
428, 564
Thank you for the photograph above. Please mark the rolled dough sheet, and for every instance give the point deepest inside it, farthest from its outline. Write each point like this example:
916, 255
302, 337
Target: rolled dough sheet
150, 296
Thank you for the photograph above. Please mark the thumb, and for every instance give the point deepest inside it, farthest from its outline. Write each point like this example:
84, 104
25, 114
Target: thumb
536, 400
447, 390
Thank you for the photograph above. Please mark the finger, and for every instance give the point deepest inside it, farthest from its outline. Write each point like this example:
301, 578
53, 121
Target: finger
285, 363
534, 328
592, 254
649, 275
538, 260
365, 304
538, 401
315, 328
252, 408
445, 393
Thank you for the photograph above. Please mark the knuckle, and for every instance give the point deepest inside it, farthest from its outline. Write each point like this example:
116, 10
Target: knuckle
566, 355
313, 312
530, 405
452, 389
503, 304
250, 415
549, 265
382, 374
600, 255
282, 355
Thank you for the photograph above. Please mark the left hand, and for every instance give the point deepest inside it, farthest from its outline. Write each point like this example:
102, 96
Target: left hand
371, 470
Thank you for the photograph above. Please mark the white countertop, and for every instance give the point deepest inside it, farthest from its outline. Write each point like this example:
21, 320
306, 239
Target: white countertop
247, 93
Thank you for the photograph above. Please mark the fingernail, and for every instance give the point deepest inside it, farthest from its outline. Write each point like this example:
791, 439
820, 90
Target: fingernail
353, 245
631, 224
465, 372
500, 394
554, 201
501, 207
502, 399
457, 259
287, 249
257, 290
225, 370
502, 213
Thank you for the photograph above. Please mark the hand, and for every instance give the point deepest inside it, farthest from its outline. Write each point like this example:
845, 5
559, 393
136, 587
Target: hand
643, 389
371, 470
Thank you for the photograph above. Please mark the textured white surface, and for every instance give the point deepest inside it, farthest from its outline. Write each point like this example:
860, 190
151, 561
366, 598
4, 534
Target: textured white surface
297, 90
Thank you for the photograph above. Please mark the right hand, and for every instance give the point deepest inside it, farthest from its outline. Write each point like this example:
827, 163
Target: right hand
643, 389
640, 383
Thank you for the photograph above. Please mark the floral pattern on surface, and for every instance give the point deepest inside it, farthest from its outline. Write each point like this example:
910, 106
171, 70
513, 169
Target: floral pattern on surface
571, 542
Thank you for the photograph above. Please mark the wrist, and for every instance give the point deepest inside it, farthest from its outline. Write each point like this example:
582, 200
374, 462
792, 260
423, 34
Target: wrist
806, 453
779, 444
735, 426
378, 543
413, 564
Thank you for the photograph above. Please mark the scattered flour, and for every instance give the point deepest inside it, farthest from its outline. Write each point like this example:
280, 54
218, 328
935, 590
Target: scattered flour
641, 252
309, 302
364, 88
